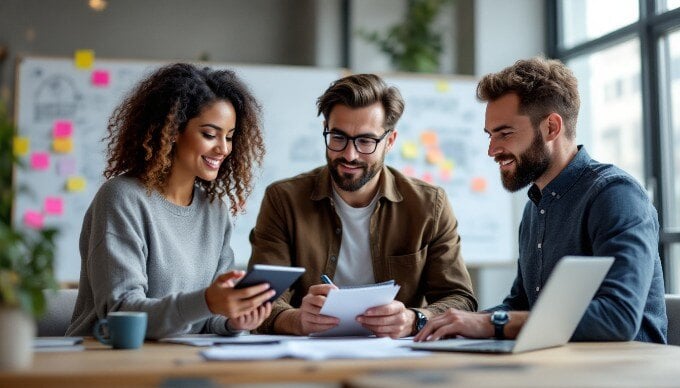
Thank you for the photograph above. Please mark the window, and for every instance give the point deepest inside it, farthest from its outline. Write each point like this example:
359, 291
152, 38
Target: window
626, 55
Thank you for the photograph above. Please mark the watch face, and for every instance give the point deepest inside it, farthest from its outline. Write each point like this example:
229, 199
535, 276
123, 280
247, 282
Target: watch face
499, 318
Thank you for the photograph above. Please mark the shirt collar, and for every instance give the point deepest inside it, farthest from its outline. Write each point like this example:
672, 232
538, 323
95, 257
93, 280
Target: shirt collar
564, 180
387, 187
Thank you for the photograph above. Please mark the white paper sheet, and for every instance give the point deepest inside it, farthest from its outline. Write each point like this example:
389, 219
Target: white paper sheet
348, 303
315, 349
212, 339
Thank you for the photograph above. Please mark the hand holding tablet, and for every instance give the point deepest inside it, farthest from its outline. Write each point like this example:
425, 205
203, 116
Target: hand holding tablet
280, 278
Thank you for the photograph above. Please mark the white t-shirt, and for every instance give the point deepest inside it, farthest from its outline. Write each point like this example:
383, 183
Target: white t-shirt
355, 266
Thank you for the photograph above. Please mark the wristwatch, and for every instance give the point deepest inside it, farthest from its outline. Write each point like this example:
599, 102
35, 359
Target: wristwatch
419, 322
499, 319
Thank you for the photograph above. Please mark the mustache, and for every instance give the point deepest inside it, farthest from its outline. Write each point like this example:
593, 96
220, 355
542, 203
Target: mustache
354, 163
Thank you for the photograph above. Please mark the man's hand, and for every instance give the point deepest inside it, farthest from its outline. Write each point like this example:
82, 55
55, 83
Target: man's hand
222, 298
309, 314
391, 320
456, 322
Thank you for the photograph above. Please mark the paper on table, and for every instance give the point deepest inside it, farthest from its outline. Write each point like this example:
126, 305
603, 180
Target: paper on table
348, 303
315, 349
212, 339
57, 344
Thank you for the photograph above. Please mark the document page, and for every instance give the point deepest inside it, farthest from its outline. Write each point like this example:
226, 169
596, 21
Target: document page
348, 303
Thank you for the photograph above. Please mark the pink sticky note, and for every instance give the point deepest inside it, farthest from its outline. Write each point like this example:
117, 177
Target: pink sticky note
100, 78
66, 166
33, 219
54, 206
62, 128
40, 160
427, 177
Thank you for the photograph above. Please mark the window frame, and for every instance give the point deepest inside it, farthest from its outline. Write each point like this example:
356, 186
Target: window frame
652, 26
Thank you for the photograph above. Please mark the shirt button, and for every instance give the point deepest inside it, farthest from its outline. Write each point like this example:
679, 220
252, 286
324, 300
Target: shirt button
542, 211
538, 288
333, 258
553, 193
539, 245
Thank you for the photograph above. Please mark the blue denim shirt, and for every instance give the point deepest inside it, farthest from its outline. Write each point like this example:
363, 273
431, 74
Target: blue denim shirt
595, 209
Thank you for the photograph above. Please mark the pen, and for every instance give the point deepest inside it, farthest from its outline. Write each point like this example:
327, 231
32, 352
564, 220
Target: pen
326, 280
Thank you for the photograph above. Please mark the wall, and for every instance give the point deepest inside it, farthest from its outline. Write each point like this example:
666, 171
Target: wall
505, 31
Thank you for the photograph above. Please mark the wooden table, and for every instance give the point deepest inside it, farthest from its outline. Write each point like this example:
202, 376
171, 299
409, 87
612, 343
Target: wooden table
623, 364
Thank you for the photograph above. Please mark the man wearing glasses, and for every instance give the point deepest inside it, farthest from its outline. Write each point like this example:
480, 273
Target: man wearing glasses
361, 222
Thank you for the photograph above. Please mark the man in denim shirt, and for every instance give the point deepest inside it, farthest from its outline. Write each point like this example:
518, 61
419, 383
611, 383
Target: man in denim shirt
577, 206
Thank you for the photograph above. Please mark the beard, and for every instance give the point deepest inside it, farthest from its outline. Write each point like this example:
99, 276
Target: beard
530, 165
352, 182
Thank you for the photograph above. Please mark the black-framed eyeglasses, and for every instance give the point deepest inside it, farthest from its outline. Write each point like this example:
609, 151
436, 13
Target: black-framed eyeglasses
337, 141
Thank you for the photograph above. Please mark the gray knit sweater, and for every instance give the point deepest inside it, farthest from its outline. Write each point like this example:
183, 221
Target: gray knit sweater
140, 252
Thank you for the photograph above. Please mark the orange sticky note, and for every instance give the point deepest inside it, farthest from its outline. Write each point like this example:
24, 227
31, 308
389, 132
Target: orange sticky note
429, 138
21, 145
40, 161
63, 145
434, 156
33, 219
84, 59
54, 206
478, 184
75, 183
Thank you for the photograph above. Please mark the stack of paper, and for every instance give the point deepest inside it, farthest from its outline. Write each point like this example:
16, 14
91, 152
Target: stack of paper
57, 344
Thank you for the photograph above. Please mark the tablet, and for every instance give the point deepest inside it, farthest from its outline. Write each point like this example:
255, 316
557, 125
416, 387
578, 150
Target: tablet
280, 278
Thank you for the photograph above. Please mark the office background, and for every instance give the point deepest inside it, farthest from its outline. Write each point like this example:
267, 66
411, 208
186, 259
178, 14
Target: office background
611, 55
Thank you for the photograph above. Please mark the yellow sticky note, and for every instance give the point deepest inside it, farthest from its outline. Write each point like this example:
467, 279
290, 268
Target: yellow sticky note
442, 86
75, 183
21, 145
446, 165
409, 150
63, 145
84, 59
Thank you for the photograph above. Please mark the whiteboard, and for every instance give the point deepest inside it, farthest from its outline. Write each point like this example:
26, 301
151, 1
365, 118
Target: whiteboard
51, 91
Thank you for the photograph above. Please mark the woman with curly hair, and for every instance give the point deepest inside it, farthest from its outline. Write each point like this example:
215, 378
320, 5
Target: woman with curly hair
156, 236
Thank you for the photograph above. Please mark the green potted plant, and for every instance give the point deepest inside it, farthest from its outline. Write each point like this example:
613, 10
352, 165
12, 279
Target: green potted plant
26, 265
413, 45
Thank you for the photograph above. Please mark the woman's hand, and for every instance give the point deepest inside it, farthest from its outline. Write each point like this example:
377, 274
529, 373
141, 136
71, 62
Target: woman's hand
251, 320
222, 298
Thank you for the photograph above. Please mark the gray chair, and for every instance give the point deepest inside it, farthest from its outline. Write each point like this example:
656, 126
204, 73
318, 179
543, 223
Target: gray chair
57, 317
673, 313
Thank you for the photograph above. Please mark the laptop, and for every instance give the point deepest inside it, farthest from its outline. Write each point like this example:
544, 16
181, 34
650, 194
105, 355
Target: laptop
554, 317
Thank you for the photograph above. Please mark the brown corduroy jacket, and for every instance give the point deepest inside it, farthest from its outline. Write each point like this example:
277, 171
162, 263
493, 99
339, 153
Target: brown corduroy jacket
413, 239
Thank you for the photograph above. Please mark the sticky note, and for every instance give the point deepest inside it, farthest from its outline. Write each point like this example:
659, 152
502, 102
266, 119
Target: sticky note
408, 171
100, 78
33, 219
429, 138
447, 165
40, 161
75, 183
21, 145
84, 59
478, 184
66, 166
409, 150
62, 128
54, 206
434, 156
427, 177
442, 86
445, 175
63, 145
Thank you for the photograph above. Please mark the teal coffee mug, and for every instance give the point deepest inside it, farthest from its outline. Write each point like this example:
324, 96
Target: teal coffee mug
126, 329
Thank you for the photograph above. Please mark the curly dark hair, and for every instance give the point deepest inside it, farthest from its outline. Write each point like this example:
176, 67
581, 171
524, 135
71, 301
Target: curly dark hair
362, 90
142, 127
542, 85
